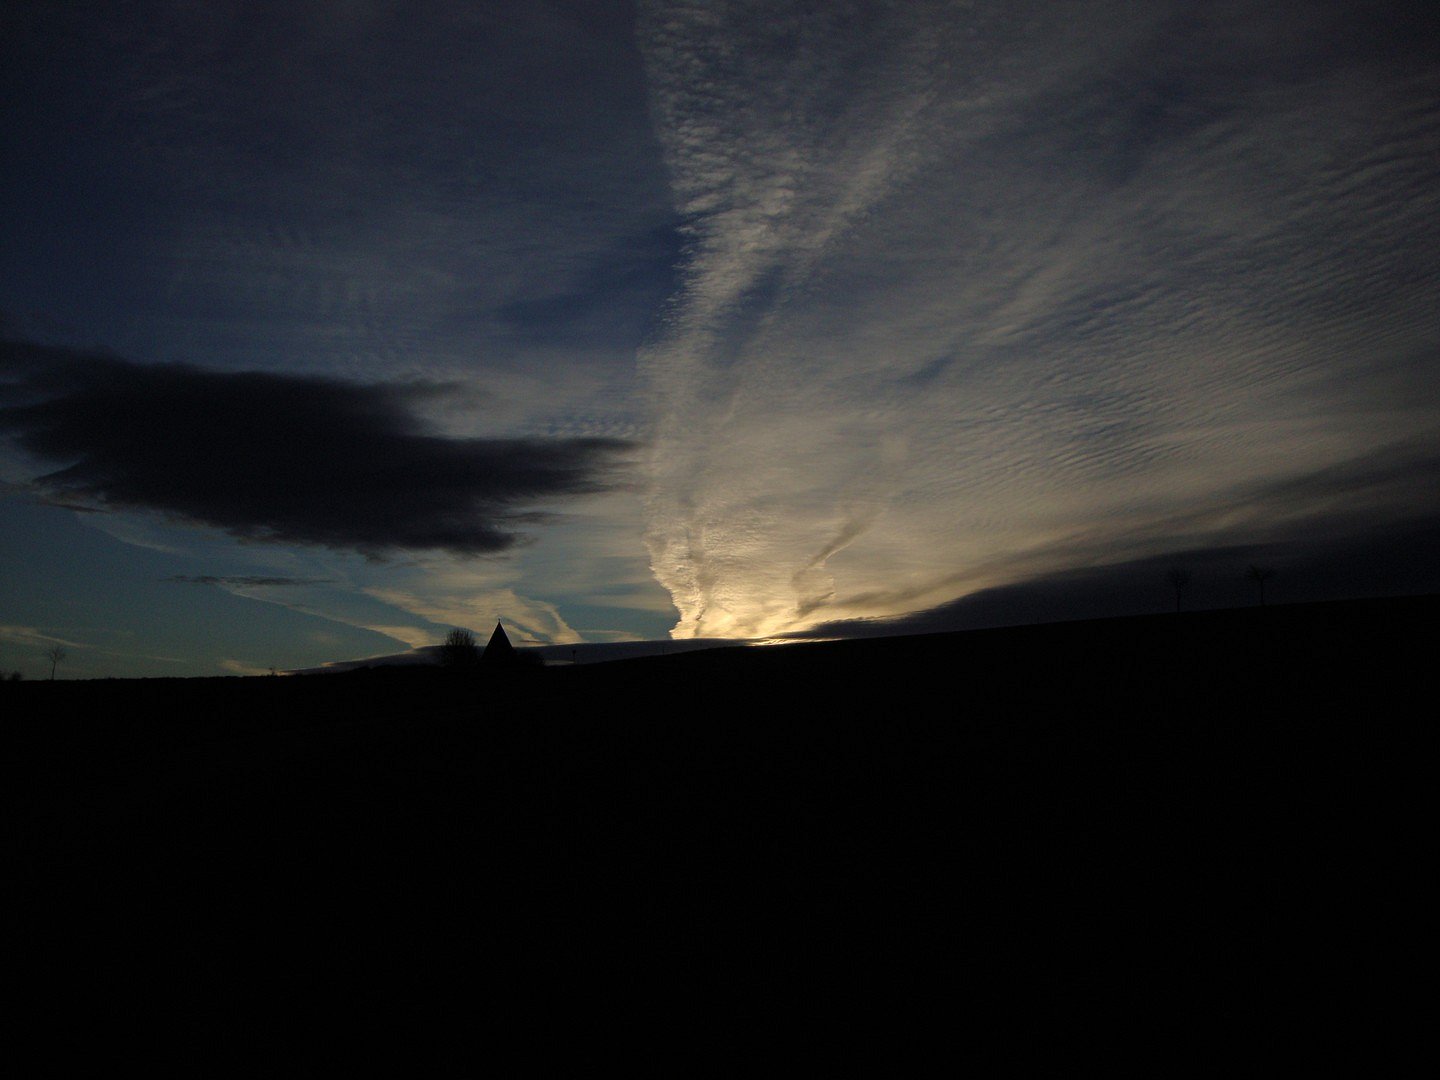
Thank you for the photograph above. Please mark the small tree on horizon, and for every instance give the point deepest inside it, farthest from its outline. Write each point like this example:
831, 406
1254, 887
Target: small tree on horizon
461, 650
55, 654
1260, 575
1179, 579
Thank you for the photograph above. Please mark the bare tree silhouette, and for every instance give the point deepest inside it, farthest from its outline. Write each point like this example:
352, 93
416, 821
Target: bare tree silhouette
460, 650
1260, 575
1179, 579
55, 654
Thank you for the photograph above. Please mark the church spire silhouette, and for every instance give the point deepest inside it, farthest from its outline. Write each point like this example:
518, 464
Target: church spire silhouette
498, 649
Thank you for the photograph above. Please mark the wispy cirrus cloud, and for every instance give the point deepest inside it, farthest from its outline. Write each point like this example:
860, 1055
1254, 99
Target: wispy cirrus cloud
462, 601
34, 636
250, 581
975, 293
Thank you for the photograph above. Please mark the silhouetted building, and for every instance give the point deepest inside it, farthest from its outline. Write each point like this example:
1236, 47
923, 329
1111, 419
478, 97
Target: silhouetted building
498, 649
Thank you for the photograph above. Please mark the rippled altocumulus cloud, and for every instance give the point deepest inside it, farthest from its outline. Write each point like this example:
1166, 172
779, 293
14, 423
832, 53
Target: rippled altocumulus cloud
976, 293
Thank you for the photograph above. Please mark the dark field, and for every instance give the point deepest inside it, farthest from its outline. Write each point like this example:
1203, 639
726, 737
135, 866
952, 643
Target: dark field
1202, 820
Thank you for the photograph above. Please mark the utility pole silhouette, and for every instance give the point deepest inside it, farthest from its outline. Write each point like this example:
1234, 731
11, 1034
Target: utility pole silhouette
1179, 579
1260, 575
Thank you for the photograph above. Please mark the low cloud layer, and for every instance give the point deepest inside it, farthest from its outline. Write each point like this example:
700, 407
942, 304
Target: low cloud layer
1396, 562
292, 459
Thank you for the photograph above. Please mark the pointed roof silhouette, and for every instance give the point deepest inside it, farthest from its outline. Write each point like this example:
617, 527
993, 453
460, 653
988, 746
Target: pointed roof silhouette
498, 649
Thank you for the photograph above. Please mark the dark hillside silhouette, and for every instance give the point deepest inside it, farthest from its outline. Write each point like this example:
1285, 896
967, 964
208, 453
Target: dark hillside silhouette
1031, 817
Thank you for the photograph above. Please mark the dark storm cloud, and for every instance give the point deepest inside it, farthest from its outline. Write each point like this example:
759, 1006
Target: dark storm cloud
281, 458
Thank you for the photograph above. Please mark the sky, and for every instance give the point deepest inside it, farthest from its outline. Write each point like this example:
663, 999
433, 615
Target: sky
325, 327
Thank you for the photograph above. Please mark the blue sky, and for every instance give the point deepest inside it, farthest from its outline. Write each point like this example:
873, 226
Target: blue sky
331, 326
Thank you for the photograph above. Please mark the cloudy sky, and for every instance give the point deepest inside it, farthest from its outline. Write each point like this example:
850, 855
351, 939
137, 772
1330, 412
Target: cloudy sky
329, 326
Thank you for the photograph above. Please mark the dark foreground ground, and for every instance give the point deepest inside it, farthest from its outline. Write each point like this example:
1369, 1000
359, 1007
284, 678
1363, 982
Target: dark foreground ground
1180, 831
